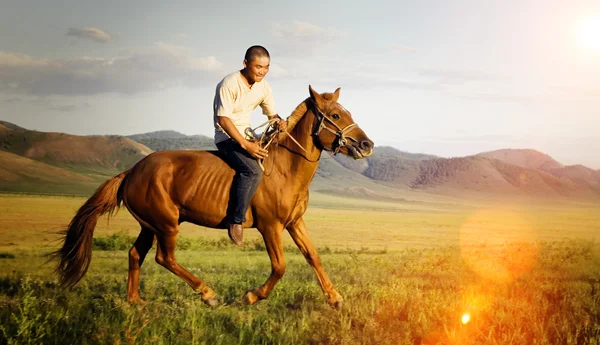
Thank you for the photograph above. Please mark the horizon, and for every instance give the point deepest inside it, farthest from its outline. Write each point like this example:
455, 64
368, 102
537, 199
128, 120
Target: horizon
397, 148
420, 78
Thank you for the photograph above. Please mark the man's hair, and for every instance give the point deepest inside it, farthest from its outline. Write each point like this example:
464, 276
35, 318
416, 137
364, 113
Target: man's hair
255, 52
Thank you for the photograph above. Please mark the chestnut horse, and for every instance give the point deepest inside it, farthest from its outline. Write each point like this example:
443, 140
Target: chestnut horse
167, 188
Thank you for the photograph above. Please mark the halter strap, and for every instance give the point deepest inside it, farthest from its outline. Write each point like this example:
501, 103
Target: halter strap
340, 133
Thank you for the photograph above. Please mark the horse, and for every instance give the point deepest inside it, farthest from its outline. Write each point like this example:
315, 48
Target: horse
166, 188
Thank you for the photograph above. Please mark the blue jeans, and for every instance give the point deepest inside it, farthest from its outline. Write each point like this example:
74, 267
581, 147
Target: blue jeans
245, 182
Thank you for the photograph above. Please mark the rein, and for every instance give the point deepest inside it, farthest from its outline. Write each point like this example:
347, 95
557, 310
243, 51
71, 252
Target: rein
266, 138
271, 132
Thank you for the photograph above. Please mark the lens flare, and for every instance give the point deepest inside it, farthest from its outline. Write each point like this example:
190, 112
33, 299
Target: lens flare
465, 318
588, 33
498, 244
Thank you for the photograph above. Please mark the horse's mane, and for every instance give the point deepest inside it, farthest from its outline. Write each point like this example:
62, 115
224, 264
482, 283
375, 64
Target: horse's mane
297, 114
301, 109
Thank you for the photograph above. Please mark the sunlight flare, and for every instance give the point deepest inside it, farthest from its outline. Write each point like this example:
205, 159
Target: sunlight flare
498, 244
465, 318
587, 32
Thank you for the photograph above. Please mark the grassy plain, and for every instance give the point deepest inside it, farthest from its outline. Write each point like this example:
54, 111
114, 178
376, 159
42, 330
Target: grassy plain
526, 273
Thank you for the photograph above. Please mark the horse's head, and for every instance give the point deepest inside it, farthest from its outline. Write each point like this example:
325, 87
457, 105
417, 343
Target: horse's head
334, 129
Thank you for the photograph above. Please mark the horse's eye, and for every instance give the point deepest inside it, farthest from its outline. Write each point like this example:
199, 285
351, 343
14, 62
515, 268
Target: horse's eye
335, 116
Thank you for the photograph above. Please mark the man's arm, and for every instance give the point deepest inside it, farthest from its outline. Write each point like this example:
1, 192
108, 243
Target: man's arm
224, 104
268, 107
253, 148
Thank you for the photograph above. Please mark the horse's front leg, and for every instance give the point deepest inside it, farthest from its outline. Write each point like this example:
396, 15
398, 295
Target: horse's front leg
272, 236
300, 235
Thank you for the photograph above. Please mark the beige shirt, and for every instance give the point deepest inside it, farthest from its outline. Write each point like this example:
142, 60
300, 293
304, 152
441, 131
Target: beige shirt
235, 100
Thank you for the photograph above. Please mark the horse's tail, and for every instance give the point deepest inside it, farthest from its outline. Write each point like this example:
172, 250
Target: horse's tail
76, 253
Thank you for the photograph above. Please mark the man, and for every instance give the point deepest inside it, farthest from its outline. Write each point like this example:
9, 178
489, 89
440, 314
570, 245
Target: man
236, 96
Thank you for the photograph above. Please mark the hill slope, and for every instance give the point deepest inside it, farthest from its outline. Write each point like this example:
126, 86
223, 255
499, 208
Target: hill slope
10, 125
526, 158
93, 154
173, 140
576, 176
40, 162
331, 177
192, 142
157, 135
20, 174
33, 159
477, 174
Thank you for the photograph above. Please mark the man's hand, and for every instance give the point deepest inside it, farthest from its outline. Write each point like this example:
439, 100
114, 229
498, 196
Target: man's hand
282, 124
254, 149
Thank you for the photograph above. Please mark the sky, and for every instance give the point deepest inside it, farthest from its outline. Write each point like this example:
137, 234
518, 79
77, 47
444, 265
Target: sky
448, 78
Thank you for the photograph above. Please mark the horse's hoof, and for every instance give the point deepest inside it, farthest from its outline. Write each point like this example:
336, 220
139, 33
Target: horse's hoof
250, 298
209, 297
335, 300
136, 301
337, 304
212, 302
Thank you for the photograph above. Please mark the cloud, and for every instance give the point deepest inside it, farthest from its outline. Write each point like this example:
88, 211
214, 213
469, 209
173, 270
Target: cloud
67, 108
372, 80
159, 67
452, 77
48, 104
339, 71
305, 29
13, 100
90, 33
575, 93
277, 71
537, 94
499, 98
501, 139
303, 37
184, 56
182, 36
401, 48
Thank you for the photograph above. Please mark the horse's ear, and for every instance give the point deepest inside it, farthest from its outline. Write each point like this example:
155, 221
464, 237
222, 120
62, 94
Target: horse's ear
316, 97
336, 94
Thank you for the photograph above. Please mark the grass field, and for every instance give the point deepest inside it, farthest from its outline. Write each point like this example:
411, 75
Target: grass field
410, 272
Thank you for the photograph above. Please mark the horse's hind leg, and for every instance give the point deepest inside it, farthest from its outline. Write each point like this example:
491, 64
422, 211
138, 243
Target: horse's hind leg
165, 256
137, 254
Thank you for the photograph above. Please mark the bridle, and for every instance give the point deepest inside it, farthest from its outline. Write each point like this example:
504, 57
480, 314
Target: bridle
341, 134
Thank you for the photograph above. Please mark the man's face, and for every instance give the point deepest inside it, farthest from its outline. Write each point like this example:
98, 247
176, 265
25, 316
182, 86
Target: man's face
257, 69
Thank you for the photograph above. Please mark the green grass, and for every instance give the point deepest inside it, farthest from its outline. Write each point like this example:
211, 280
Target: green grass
405, 297
526, 274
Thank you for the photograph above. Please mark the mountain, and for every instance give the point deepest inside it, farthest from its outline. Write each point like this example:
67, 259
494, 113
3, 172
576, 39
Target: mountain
10, 125
331, 176
106, 155
577, 176
383, 162
526, 158
62, 163
395, 167
172, 140
334, 178
481, 175
157, 135
20, 174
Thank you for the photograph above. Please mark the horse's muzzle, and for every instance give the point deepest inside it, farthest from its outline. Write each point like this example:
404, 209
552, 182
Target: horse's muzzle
362, 150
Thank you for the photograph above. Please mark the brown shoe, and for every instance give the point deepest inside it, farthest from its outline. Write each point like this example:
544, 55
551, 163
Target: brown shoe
236, 234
